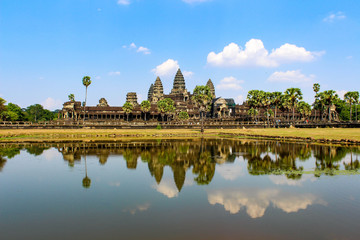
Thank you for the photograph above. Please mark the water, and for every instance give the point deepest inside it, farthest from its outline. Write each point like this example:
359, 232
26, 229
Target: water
177, 189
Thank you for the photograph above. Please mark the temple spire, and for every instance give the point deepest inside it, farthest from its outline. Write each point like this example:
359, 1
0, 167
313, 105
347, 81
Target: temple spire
179, 83
211, 86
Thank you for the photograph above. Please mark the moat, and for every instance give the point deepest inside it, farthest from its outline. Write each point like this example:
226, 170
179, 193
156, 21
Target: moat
179, 189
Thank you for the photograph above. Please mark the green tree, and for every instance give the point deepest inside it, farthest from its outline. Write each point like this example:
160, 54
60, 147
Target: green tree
293, 96
183, 116
16, 109
34, 112
128, 108
351, 98
304, 109
86, 82
329, 97
316, 88
253, 112
71, 97
202, 97
161, 105
145, 107
276, 101
170, 108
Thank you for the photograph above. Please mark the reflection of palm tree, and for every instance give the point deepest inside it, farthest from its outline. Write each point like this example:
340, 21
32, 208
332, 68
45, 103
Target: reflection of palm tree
86, 182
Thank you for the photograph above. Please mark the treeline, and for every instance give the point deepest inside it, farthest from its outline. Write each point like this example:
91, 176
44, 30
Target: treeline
33, 113
291, 100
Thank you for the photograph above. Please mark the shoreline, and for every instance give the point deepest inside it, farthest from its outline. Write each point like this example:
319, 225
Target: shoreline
341, 136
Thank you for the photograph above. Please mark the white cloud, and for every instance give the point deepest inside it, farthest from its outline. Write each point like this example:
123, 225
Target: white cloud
341, 93
188, 74
123, 2
230, 83
132, 45
98, 77
195, 1
51, 104
51, 154
294, 76
255, 54
115, 73
283, 180
167, 68
334, 16
143, 50
168, 188
257, 201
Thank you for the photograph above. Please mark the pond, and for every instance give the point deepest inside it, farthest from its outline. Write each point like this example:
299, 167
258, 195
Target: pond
177, 189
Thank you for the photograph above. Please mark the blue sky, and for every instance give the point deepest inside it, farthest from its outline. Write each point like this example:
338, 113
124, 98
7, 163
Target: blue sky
46, 47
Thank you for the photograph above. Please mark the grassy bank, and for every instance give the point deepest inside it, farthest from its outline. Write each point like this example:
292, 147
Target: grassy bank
40, 135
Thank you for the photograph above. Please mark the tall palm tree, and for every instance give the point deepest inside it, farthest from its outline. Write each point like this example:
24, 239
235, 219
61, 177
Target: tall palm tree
330, 96
170, 108
293, 96
316, 88
351, 97
202, 97
161, 105
145, 107
86, 182
276, 101
86, 82
71, 97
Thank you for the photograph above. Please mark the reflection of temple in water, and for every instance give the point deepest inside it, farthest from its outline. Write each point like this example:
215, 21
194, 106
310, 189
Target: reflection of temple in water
201, 156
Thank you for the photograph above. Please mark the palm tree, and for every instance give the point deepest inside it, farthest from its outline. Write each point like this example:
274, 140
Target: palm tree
329, 97
183, 116
86, 82
276, 101
316, 88
162, 108
170, 108
293, 95
253, 112
71, 97
304, 109
86, 182
351, 97
145, 107
202, 97
128, 108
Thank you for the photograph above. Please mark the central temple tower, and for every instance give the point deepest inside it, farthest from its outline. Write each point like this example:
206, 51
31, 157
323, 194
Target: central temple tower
179, 84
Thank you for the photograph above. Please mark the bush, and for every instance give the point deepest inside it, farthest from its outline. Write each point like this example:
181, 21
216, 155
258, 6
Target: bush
158, 127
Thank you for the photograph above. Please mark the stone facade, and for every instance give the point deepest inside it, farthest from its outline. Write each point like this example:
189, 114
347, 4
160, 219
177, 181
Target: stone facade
131, 97
103, 103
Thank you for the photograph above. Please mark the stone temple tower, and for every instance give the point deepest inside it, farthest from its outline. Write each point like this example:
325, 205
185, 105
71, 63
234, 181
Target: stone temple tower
131, 97
156, 91
211, 86
179, 84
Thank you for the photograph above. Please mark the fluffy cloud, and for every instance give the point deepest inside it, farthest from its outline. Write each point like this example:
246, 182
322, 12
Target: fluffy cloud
294, 76
143, 50
283, 180
140, 49
167, 68
230, 171
123, 2
230, 83
115, 73
138, 208
255, 54
257, 201
239, 99
52, 104
195, 1
334, 16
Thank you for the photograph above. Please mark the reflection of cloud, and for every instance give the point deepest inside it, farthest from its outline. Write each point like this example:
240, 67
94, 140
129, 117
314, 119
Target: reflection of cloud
257, 201
230, 171
114, 184
50, 154
283, 180
167, 187
138, 208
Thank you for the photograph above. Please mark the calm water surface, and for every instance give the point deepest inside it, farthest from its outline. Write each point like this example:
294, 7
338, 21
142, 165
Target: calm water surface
177, 189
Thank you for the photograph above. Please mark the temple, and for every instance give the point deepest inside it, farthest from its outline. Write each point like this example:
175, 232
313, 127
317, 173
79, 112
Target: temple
220, 109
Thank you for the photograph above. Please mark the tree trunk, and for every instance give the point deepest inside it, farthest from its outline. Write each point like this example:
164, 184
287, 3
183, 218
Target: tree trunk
350, 111
329, 114
294, 114
202, 122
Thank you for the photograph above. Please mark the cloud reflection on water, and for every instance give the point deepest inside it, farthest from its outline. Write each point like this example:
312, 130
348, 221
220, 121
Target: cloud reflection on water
257, 201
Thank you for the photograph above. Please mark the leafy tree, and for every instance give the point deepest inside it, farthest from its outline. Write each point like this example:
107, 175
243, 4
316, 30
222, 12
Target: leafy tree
71, 97
37, 113
202, 97
170, 108
145, 107
328, 98
183, 116
276, 101
16, 109
9, 116
351, 98
293, 96
162, 108
253, 112
304, 109
128, 108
